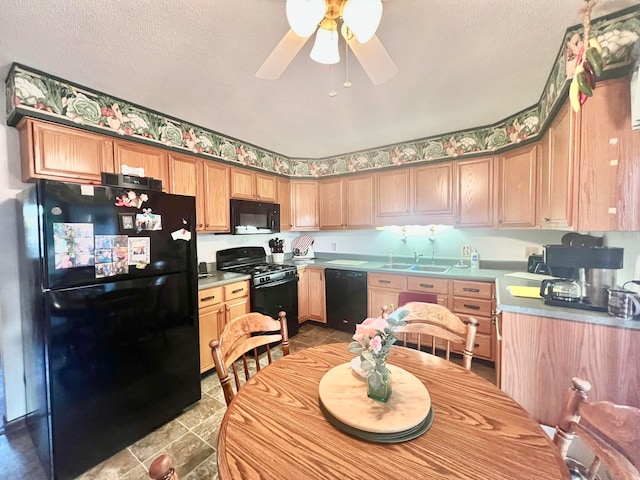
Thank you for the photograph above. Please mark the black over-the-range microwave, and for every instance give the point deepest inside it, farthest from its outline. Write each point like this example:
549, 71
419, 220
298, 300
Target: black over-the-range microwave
249, 217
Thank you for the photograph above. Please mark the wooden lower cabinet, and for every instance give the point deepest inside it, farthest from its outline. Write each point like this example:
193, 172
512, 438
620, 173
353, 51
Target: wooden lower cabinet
540, 356
311, 295
216, 307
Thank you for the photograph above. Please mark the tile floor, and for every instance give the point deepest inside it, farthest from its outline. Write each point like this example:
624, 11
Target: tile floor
189, 439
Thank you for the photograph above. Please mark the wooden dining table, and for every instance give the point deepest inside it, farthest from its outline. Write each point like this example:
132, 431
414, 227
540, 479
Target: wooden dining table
275, 428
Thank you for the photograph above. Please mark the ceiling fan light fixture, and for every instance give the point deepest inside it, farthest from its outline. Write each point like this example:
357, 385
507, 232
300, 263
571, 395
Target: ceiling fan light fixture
325, 49
362, 17
305, 15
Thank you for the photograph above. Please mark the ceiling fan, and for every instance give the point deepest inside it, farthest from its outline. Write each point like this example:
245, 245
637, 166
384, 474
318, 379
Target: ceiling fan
358, 20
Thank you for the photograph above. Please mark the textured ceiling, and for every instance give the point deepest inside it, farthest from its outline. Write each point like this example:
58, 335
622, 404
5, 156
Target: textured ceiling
462, 63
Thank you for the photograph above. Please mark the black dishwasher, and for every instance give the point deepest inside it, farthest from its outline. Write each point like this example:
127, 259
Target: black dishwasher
346, 298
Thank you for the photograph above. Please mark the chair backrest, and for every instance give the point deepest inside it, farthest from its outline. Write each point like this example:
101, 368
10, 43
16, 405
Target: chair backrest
611, 432
406, 297
242, 336
162, 469
430, 321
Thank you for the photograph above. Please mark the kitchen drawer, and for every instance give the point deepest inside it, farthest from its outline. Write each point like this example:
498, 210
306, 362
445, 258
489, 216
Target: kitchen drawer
236, 290
483, 348
473, 306
397, 282
210, 296
428, 285
485, 324
473, 289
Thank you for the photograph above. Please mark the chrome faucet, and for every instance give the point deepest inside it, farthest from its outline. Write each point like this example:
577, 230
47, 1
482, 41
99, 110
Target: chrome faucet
416, 257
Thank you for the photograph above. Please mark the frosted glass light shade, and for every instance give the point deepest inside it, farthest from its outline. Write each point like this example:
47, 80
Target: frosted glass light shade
305, 15
325, 49
362, 17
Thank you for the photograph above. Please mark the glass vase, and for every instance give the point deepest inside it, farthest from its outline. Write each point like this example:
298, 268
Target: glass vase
379, 384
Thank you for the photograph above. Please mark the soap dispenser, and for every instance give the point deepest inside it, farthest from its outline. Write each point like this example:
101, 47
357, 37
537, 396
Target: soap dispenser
475, 259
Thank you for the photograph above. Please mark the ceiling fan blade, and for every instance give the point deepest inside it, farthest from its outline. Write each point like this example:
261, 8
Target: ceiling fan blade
374, 59
281, 57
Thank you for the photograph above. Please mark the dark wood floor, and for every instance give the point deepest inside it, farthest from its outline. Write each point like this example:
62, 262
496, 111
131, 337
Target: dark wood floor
190, 439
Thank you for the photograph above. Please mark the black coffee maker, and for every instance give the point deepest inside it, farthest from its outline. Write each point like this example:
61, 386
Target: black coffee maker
592, 267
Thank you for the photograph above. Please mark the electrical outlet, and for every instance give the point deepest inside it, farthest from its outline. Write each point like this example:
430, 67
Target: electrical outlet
334, 247
465, 250
531, 251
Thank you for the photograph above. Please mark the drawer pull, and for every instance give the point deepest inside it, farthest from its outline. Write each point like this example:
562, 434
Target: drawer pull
426, 285
238, 290
384, 281
469, 289
471, 307
206, 299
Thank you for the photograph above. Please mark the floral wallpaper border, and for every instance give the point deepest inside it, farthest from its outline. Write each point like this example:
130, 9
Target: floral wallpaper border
34, 93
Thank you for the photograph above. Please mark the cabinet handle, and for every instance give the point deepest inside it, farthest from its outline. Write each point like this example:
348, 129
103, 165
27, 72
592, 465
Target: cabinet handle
206, 299
471, 307
547, 219
238, 290
384, 281
426, 285
469, 289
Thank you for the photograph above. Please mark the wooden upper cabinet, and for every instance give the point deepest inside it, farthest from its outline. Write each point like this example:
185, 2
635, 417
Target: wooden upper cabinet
392, 202
609, 170
557, 170
62, 153
249, 185
517, 187
346, 202
284, 199
186, 174
432, 193
304, 205
331, 200
154, 160
474, 185
216, 193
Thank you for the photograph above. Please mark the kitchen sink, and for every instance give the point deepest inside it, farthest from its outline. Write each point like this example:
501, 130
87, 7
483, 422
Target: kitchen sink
416, 268
430, 268
396, 266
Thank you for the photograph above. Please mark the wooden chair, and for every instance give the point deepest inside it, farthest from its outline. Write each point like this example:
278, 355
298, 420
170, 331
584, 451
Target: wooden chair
162, 469
611, 432
432, 321
236, 342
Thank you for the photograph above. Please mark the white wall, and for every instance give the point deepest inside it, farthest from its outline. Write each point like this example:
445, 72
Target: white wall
10, 333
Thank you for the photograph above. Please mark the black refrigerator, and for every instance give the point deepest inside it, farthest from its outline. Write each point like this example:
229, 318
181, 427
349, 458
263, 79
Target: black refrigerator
108, 283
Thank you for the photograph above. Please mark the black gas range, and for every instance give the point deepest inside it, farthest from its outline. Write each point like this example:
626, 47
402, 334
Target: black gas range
274, 286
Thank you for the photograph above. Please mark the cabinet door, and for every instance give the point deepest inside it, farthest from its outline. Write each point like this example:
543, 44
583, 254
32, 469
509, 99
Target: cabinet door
63, 153
303, 295
432, 192
609, 167
474, 193
378, 298
331, 201
392, 205
185, 173
317, 295
266, 188
304, 205
216, 193
154, 160
284, 199
358, 193
243, 184
557, 172
517, 187
210, 319
234, 309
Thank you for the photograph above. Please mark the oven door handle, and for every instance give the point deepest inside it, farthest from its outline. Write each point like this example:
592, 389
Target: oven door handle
275, 284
